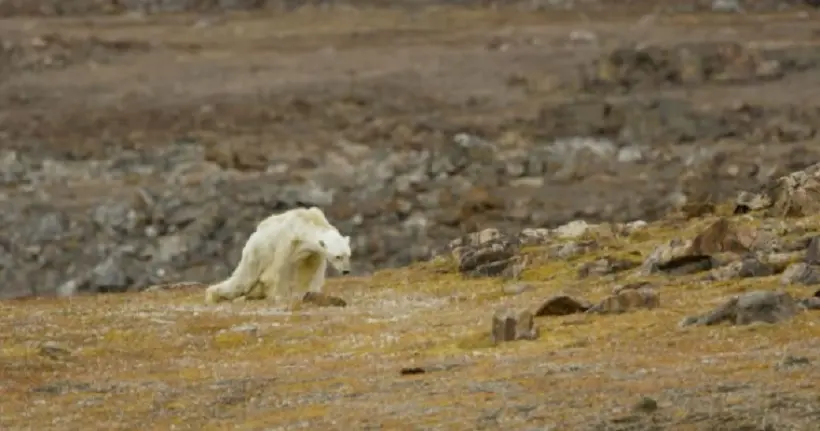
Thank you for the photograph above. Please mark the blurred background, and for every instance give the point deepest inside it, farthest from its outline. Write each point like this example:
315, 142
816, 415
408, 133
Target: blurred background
141, 141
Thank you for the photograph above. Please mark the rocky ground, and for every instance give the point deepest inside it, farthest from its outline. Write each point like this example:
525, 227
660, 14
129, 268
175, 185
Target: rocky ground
704, 323
142, 148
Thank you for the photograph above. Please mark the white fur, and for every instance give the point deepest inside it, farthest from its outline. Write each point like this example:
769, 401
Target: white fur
287, 255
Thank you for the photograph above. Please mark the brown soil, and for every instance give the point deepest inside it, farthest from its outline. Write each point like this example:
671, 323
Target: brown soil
411, 350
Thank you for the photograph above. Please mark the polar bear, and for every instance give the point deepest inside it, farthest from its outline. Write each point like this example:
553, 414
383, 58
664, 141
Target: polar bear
286, 255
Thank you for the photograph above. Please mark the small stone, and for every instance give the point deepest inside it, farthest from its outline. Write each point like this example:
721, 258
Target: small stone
534, 236
812, 303
630, 154
780, 261
573, 229
745, 268
109, 276
796, 194
627, 300
69, 288
801, 273
247, 329
516, 288
410, 371
631, 286
676, 258
54, 350
813, 251
604, 266
646, 405
789, 361
323, 300
483, 257
562, 305
583, 36
509, 325
634, 226
568, 250
722, 236
183, 285
688, 321
748, 202
726, 6
757, 306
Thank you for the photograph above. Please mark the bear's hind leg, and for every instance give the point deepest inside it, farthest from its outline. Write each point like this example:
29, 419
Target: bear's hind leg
224, 291
241, 281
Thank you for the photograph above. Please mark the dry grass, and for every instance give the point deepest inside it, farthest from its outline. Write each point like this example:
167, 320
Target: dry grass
164, 360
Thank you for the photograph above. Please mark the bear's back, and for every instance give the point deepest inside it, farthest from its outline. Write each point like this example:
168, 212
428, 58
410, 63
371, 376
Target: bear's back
315, 216
298, 219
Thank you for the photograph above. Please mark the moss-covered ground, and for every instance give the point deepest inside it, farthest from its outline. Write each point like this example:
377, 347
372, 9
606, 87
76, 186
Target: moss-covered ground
164, 360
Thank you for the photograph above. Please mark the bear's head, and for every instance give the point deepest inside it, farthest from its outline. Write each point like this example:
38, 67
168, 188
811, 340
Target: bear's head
336, 249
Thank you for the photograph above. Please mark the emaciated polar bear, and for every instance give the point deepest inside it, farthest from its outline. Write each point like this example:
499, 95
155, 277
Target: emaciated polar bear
287, 255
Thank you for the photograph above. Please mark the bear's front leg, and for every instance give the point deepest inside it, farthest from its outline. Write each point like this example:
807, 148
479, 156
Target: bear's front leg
317, 279
275, 284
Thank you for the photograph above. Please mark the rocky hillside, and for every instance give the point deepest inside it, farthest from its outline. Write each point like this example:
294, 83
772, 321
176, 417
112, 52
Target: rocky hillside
115, 221
692, 322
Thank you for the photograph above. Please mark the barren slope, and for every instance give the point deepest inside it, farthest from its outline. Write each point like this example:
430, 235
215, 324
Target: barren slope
124, 361
142, 149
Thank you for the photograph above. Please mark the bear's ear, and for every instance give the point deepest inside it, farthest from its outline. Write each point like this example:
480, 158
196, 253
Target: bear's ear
322, 244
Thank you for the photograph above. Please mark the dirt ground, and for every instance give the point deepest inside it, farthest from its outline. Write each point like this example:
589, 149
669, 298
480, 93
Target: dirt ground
412, 351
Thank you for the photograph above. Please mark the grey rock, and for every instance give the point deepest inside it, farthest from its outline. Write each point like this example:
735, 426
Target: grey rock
489, 261
487, 253
627, 300
516, 288
48, 227
676, 258
307, 194
572, 249
573, 229
758, 306
748, 201
604, 266
117, 216
812, 303
109, 276
796, 194
801, 273
562, 305
726, 6
646, 405
169, 247
509, 325
745, 268
790, 361
531, 236
12, 169
630, 154
813, 251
